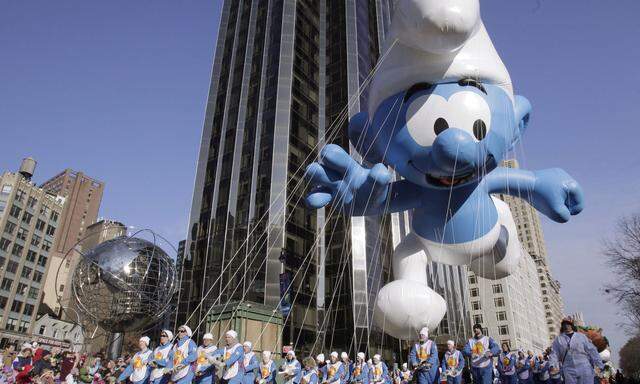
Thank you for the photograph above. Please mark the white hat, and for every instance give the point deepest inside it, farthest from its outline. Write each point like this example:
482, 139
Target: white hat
34, 344
424, 331
207, 336
169, 333
291, 352
26, 346
248, 344
266, 354
451, 342
376, 357
232, 334
334, 354
320, 357
146, 340
404, 365
344, 355
361, 355
186, 328
432, 41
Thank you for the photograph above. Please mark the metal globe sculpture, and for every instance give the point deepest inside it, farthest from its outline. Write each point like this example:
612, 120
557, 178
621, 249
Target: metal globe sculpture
124, 284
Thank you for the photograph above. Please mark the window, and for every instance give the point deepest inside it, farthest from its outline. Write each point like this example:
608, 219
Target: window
497, 288
37, 277
498, 301
475, 305
473, 279
3, 302
21, 289
6, 189
474, 292
51, 230
501, 316
9, 228
3, 206
15, 211
503, 330
6, 284
46, 245
54, 216
22, 234
4, 244
12, 266
32, 201
477, 319
26, 272
26, 218
24, 325
20, 195
42, 329
17, 250
40, 225
33, 293
35, 240
11, 324
28, 309
55, 334
44, 210
16, 306
31, 256
42, 260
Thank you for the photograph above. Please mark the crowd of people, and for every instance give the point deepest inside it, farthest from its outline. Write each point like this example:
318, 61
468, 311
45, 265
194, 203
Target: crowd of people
571, 359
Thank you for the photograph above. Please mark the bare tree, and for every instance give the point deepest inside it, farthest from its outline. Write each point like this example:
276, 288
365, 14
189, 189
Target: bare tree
630, 358
623, 255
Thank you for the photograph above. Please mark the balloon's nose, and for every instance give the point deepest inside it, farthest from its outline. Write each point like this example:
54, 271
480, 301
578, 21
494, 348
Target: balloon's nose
455, 151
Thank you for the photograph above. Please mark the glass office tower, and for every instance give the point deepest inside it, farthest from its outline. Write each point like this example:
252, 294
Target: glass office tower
283, 74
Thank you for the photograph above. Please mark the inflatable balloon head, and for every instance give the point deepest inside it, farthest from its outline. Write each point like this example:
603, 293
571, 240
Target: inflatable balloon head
442, 114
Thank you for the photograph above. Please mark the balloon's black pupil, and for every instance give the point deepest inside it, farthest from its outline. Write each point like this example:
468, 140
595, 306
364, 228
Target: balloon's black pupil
440, 125
479, 129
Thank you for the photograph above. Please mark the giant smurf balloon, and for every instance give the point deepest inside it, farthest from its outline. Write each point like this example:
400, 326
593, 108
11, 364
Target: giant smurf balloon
443, 115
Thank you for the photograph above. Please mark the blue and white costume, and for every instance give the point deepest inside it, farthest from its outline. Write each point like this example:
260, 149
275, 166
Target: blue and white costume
205, 370
159, 374
507, 368
452, 365
481, 364
379, 373
423, 358
336, 370
555, 374
322, 367
524, 369
250, 364
348, 367
360, 371
543, 367
404, 375
182, 355
233, 357
576, 356
291, 369
309, 376
267, 369
138, 369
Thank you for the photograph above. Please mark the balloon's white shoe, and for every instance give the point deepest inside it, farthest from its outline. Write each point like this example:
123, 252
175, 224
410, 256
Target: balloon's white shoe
403, 307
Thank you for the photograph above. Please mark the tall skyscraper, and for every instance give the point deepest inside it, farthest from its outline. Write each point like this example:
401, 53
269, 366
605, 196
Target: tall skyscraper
532, 239
29, 221
83, 195
286, 77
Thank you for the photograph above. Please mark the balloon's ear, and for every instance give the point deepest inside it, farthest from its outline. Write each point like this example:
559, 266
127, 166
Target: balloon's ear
522, 113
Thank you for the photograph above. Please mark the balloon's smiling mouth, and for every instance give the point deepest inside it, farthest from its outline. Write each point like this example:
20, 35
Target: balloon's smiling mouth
446, 181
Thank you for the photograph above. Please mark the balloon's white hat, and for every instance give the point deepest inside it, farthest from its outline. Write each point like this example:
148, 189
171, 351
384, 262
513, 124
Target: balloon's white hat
436, 41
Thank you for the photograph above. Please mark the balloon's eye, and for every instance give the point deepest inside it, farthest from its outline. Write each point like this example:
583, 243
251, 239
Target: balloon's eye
479, 129
440, 125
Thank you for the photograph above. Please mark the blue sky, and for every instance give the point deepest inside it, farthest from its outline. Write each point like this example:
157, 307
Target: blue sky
117, 89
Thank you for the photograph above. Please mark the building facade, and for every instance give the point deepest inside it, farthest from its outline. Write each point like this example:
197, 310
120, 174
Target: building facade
286, 77
29, 221
83, 196
531, 237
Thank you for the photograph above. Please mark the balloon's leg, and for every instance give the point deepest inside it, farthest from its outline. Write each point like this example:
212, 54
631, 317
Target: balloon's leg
407, 304
506, 254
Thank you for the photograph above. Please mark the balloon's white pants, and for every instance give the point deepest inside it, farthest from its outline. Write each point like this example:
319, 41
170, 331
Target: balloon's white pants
407, 304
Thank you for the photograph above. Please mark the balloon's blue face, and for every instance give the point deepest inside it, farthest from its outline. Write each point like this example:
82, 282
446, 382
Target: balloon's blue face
447, 134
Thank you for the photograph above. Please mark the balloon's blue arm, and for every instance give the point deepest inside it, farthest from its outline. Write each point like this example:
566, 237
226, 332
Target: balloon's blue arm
551, 191
353, 189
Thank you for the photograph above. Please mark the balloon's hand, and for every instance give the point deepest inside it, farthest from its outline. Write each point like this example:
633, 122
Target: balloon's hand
557, 195
337, 178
